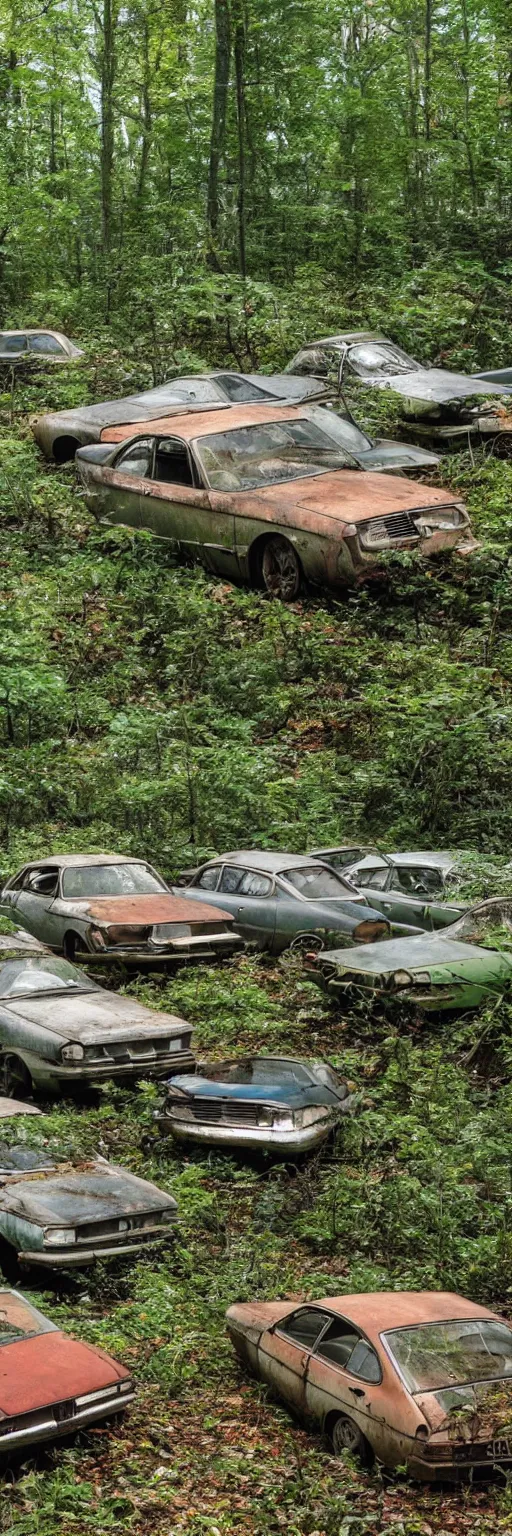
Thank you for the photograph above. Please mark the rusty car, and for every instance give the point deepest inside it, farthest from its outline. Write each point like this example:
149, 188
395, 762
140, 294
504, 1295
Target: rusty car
51, 1384
257, 1103
61, 433
60, 1214
278, 900
437, 405
459, 967
406, 1377
104, 907
267, 495
37, 346
60, 1031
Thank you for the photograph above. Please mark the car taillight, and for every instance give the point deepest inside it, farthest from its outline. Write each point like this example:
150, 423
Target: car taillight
368, 933
122, 934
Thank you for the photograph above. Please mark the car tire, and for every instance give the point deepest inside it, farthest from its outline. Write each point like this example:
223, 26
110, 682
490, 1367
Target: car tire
346, 1436
70, 944
9, 1266
281, 569
15, 1078
307, 941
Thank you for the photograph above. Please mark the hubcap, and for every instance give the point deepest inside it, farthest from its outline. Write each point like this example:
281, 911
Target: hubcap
345, 1436
280, 571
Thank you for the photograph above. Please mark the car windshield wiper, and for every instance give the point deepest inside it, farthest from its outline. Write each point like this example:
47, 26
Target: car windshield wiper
73, 986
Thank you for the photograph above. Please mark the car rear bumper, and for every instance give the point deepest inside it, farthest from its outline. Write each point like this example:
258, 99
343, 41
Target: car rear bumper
456, 1471
252, 1137
51, 1429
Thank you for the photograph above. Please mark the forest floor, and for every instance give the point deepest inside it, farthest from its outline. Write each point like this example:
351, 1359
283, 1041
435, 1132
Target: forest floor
147, 707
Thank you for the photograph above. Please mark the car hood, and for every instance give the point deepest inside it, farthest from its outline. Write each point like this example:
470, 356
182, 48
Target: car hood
293, 1097
95, 1016
390, 455
50, 1369
140, 909
421, 953
75, 1196
436, 384
348, 496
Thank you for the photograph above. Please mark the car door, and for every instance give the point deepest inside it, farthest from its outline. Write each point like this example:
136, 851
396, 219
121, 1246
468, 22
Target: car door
34, 901
117, 487
255, 904
12, 347
174, 506
405, 915
346, 1374
284, 1352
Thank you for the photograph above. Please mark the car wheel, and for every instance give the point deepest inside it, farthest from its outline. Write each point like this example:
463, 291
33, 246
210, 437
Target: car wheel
306, 941
70, 945
281, 569
15, 1077
9, 1266
346, 1436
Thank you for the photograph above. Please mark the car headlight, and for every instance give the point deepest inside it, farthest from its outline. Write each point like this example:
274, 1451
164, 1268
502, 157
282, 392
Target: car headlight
72, 1053
402, 978
423, 977
282, 1121
59, 1237
304, 1117
434, 522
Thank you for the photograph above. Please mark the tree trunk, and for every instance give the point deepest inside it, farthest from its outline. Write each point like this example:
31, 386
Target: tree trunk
219, 113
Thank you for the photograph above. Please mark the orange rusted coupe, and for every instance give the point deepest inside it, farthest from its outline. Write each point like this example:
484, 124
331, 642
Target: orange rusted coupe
421, 1379
270, 495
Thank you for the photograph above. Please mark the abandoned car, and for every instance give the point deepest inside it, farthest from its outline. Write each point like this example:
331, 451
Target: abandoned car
440, 405
63, 432
101, 907
55, 1215
267, 495
415, 891
388, 1374
51, 1384
283, 899
460, 967
58, 1029
37, 346
60, 433
272, 1103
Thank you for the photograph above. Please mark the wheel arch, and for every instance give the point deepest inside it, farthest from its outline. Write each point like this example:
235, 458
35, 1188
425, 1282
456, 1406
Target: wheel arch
64, 447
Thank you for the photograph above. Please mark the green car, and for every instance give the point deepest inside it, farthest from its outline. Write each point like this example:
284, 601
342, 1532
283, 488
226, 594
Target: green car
458, 968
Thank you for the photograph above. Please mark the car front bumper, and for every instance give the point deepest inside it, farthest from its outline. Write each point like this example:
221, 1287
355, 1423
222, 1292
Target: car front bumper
154, 957
53, 1429
449, 999
300, 1139
80, 1255
145, 1066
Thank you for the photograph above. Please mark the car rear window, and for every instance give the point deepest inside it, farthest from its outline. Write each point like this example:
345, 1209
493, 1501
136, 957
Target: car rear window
450, 1354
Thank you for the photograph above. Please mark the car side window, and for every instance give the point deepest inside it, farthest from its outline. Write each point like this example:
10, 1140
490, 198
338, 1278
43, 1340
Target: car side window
304, 1327
136, 460
209, 879
344, 1346
172, 462
253, 884
376, 879
10, 344
45, 343
417, 881
41, 882
231, 878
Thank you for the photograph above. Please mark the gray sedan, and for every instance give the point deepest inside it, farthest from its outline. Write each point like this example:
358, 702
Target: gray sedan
287, 899
59, 1030
37, 346
61, 432
58, 1216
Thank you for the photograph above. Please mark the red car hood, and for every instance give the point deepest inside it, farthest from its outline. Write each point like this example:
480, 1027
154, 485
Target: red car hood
146, 909
49, 1369
350, 496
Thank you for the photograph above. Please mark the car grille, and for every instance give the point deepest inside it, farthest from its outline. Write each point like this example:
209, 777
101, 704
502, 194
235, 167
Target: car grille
122, 1227
380, 530
38, 1418
212, 1112
134, 1050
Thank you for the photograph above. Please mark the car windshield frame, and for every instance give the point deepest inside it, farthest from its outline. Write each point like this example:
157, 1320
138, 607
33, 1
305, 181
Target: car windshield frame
405, 363
347, 892
214, 443
496, 928
273, 1068
159, 888
19, 1303
472, 1325
45, 965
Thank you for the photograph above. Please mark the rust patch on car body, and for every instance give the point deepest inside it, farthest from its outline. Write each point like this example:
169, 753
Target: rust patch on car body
148, 909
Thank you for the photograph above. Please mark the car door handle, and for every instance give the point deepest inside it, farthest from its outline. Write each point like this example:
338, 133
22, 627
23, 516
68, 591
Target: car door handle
356, 1391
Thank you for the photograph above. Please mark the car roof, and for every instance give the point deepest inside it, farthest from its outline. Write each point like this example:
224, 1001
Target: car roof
37, 330
403, 860
346, 336
79, 860
200, 422
377, 1311
19, 944
272, 863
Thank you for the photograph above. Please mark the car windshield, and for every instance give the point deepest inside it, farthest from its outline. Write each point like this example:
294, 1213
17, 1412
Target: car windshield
258, 1071
250, 457
451, 1354
18, 1320
380, 357
317, 884
21, 978
344, 432
111, 880
489, 926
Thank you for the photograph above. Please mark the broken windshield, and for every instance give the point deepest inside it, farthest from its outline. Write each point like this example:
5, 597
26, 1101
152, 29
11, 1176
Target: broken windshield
21, 978
250, 457
451, 1354
489, 925
372, 357
111, 880
18, 1320
318, 884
